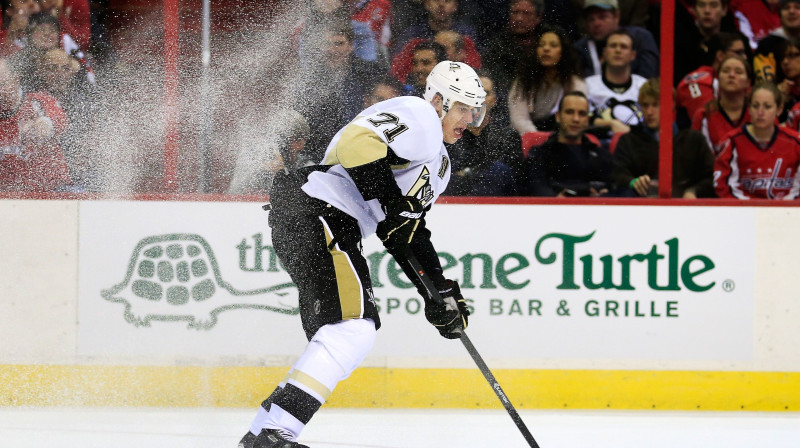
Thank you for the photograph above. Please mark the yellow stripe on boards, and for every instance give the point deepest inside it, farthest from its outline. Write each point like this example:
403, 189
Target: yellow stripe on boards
75, 385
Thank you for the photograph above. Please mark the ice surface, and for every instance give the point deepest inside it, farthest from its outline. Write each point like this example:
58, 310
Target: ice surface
380, 428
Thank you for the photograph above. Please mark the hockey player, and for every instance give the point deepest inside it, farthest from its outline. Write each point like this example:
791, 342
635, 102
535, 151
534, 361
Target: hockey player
380, 174
760, 160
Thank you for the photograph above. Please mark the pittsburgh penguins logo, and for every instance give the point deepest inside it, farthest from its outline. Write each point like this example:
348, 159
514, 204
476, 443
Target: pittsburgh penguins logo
422, 189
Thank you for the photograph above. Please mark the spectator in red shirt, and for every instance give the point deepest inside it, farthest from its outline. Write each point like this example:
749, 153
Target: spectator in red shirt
30, 124
440, 15
426, 56
728, 111
760, 160
700, 86
457, 48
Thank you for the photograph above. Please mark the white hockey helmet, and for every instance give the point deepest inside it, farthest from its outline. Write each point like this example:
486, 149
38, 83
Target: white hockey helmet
457, 81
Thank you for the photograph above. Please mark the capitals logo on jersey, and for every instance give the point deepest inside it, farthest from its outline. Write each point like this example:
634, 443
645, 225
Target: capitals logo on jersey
768, 181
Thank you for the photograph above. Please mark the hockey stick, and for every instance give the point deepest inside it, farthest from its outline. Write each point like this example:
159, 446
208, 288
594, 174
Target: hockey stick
433, 294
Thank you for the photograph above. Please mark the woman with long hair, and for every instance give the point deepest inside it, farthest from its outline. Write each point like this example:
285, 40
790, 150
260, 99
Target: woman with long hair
760, 160
728, 110
542, 79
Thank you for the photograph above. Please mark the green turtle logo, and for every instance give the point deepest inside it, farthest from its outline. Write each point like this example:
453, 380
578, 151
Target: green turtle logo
176, 277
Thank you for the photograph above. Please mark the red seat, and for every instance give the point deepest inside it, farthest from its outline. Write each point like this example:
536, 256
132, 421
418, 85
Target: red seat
614, 140
531, 139
536, 138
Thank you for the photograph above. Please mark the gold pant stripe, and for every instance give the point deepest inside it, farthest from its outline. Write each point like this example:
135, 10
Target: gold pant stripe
347, 281
311, 383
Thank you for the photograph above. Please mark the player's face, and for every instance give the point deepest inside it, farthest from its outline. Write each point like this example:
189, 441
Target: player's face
523, 17
791, 62
790, 16
573, 117
650, 111
763, 109
455, 121
601, 23
549, 50
709, 13
733, 77
619, 51
422, 63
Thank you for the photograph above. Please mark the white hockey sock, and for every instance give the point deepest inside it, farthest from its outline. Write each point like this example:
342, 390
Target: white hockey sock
331, 356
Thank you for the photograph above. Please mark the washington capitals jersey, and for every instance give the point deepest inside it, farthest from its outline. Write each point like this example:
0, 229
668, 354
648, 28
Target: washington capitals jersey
716, 126
406, 128
746, 169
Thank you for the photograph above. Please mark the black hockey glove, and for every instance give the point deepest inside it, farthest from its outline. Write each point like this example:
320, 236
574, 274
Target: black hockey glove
402, 218
450, 317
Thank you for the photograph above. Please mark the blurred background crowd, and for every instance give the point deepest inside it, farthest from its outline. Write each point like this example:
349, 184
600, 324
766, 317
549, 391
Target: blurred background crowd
572, 91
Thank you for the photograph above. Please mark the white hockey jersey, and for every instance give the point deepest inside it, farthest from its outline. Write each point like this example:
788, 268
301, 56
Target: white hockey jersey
407, 125
607, 103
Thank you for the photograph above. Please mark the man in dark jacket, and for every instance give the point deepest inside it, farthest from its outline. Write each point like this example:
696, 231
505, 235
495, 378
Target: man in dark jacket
570, 162
637, 154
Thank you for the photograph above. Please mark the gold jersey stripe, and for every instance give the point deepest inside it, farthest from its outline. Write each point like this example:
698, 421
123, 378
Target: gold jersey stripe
311, 383
357, 146
347, 281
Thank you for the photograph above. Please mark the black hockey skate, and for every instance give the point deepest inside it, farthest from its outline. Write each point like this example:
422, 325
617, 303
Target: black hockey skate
268, 438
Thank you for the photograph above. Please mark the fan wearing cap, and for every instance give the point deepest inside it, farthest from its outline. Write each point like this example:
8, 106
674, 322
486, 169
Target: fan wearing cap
602, 19
381, 173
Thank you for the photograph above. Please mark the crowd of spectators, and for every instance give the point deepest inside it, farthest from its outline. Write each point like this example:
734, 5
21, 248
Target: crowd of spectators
47, 82
572, 93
